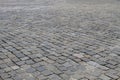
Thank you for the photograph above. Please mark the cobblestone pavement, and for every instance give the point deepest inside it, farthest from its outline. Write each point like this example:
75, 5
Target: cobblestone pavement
60, 40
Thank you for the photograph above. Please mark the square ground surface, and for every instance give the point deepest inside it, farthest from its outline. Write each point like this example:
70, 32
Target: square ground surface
59, 39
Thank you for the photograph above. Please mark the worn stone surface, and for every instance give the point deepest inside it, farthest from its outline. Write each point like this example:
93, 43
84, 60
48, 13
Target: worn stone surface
59, 39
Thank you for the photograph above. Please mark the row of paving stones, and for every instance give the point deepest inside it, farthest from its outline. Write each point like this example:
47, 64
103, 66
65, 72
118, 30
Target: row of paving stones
50, 45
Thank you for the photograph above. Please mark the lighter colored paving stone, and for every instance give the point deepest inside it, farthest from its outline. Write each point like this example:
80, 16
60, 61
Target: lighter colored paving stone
15, 67
79, 55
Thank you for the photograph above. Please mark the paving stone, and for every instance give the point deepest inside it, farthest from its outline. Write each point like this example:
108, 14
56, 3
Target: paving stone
62, 68
41, 77
11, 64
62, 57
20, 71
30, 78
60, 61
53, 57
97, 56
67, 64
36, 65
47, 72
15, 67
84, 79
26, 76
54, 77
15, 59
25, 66
84, 59
79, 55
7, 69
113, 55
1, 71
26, 52
37, 59
29, 62
41, 68
7, 60
94, 64
20, 55
36, 73
103, 68
32, 56
64, 76
5, 76
103, 77
20, 63
12, 73
50, 61
53, 69
1, 62
101, 62
17, 78
30, 70
97, 72
24, 58
3, 66
110, 66
112, 62
76, 76
3, 56
97, 65
98, 79
112, 74
8, 79
69, 72
119, 79
39, 55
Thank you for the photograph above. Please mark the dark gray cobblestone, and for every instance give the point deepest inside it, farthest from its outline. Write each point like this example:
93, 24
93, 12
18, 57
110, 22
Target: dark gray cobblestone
59, 40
